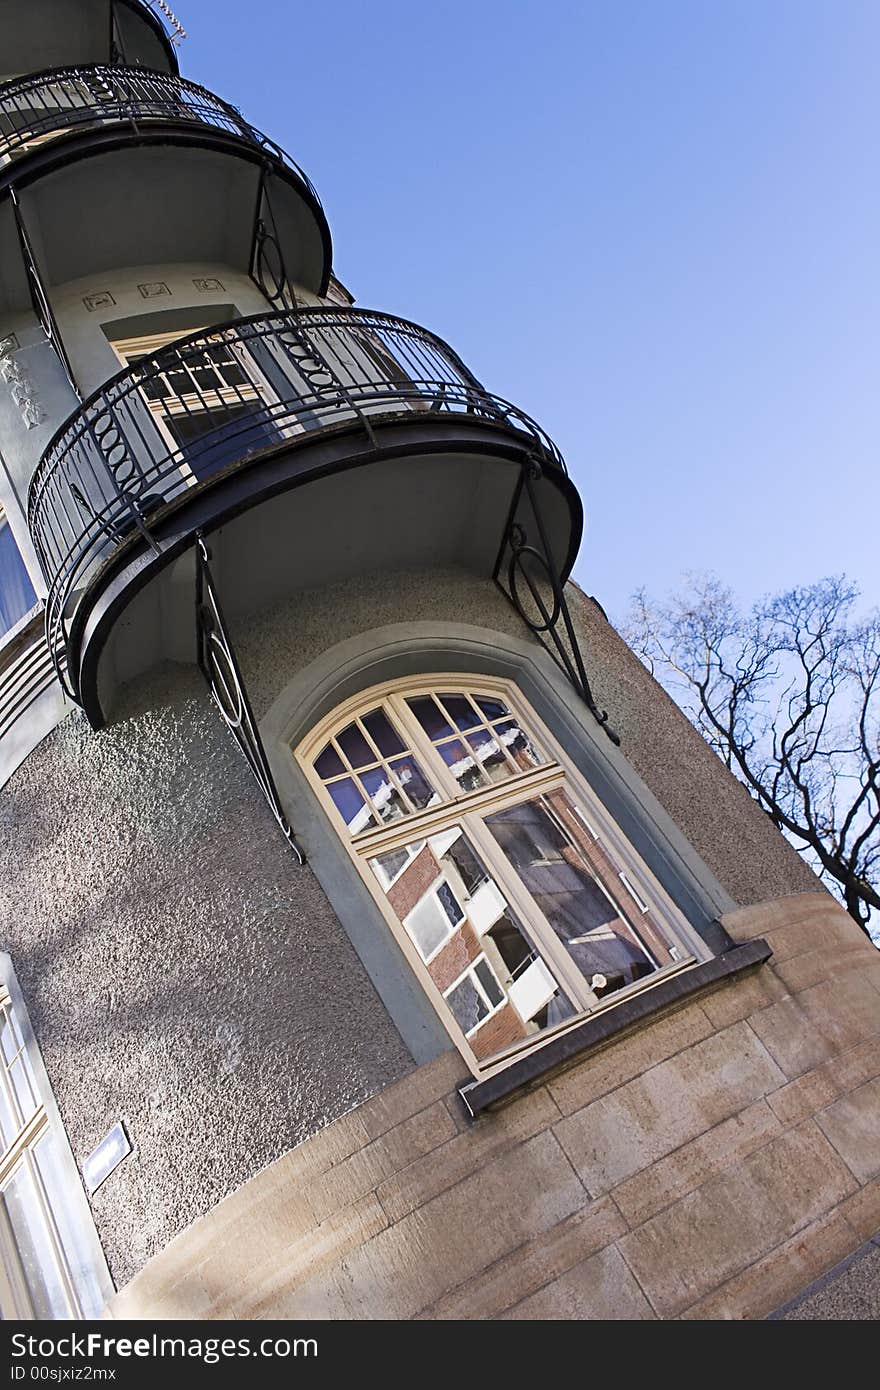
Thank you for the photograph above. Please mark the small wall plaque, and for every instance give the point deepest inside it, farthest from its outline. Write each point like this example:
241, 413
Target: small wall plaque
154, 288
104, 300
205, 286
101, 1162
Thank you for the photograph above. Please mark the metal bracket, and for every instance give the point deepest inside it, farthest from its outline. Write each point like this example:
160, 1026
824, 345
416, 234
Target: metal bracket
522, 562
219, 666
268, 271
39, 297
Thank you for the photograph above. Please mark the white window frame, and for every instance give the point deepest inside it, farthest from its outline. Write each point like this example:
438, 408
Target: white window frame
86, 1255
130, 350
469, 810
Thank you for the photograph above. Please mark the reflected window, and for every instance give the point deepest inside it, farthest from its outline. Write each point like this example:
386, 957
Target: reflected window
517, 900
17, 595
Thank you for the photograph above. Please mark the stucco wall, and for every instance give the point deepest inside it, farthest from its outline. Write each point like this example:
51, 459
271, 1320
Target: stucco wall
180, 970
709, 1165
184, 974
728, 830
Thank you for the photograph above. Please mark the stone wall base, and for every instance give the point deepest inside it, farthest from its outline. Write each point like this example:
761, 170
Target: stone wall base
711, 1164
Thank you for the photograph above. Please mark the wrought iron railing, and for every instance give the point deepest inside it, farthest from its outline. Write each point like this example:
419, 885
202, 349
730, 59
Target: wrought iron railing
38, 107
210, 402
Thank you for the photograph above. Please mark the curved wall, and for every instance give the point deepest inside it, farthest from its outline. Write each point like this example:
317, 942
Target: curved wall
710, 1165
184, 974
181, 972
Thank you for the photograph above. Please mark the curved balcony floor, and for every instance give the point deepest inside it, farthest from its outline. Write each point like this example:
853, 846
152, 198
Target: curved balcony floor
50, 33
223, 429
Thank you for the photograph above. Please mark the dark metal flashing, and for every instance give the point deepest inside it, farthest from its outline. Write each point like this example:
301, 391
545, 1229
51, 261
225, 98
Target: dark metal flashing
601, 1029
526, 557
290, 464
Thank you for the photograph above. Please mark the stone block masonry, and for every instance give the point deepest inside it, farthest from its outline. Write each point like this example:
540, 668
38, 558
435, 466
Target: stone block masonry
711, 1164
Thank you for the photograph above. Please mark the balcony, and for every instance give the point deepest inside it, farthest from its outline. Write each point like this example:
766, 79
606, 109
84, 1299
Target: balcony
66, 101
116, 166
217, 423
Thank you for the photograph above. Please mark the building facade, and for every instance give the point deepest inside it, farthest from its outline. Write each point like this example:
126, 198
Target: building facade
355, 878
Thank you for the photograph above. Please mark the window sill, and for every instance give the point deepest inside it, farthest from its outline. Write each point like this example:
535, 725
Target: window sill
597, 1030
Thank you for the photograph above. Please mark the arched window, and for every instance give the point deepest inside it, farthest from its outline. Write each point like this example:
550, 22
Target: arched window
519, 903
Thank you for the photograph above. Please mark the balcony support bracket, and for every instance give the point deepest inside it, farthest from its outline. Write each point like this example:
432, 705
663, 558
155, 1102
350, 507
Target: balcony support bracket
526, 566
39, 296
219, 666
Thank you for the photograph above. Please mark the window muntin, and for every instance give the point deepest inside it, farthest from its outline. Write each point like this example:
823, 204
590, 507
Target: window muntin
552, 897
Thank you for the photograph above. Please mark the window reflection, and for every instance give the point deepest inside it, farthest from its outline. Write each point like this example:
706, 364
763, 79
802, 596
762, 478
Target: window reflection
480, 956
550, 850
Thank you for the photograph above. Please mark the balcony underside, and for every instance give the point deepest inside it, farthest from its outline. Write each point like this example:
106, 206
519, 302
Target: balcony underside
53, 33
114, 197
430, 491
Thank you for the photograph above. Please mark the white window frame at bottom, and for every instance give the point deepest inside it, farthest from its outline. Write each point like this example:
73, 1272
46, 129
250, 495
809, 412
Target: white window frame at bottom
469, 812
44, 1121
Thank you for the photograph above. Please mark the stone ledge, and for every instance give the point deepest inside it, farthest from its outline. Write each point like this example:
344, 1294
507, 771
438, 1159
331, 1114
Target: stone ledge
599, 1030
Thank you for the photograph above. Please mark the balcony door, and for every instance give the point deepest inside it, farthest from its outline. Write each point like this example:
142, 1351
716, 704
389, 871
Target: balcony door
209, 399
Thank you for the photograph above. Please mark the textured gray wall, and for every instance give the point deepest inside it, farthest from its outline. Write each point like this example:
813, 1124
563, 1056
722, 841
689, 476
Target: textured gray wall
182, 972
180, 969
731, 834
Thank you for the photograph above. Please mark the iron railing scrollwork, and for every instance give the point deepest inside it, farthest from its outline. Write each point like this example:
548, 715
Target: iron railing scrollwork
526, 566
214, 400
219, 665
61, 100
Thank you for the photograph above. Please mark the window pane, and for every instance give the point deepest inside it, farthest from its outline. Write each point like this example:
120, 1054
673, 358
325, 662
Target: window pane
486, 977
467, 1005
460, 709
427, 712
383, 733
462, 764
428, 925
351, 805
328, 763
10, 1125
16, 591
518, 745
10, 1042
355, 747
490, 755
450, 904
25, 1090
414, 782
456, 914
391, 864
384, 795
552, 860
55, 1179
31, 1245
491, 708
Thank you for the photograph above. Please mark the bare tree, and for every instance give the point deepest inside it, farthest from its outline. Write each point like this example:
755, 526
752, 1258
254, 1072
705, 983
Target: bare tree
788, 695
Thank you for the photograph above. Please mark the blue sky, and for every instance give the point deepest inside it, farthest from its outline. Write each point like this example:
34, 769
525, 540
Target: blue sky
653, 224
